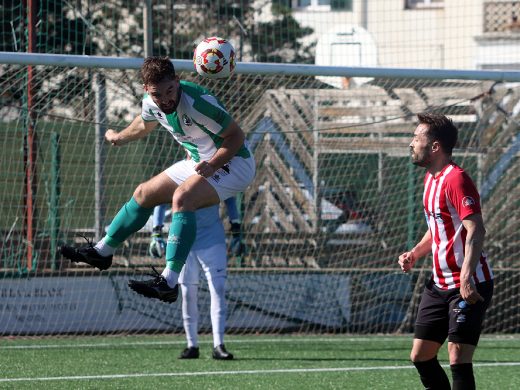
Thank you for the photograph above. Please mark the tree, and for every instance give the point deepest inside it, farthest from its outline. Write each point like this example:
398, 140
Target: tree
280, 40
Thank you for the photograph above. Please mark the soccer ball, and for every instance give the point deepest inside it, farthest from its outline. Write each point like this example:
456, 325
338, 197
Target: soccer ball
214, 58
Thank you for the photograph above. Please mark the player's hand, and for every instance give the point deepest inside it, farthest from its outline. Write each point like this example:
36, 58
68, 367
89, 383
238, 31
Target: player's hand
157, 246
204, 169
112, 137
236, 246
468, 291
406, 261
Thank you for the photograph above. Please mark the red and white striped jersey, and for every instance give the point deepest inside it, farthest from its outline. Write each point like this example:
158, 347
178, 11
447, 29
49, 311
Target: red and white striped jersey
448, 199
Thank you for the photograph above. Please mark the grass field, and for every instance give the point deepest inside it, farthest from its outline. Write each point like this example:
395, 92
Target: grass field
262, 362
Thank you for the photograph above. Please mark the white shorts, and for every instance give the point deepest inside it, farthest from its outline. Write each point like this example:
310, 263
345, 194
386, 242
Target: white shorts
212, 260
232, 178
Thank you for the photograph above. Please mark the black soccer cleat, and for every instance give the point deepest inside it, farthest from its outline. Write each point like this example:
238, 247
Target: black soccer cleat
155, 288
190, 353
220, 353
86, 254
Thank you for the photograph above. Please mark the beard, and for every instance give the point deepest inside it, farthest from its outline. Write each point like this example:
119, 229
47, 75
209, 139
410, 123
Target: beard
421, 160
171, 109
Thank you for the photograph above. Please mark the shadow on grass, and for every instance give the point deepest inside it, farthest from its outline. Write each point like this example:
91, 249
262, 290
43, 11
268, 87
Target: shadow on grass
303, 359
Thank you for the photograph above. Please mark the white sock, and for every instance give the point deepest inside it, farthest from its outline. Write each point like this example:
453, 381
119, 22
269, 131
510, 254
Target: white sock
171, 277
103, 248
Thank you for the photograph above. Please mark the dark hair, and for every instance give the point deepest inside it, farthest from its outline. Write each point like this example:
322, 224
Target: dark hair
157, 69
441, 129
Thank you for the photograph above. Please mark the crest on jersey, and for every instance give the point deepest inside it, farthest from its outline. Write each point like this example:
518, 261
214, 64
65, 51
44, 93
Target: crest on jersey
468, 201
159, 114
186, 120
173, 239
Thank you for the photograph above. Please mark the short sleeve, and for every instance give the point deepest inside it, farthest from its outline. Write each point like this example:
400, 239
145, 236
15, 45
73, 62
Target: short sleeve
146, 110
463, 195
212, 114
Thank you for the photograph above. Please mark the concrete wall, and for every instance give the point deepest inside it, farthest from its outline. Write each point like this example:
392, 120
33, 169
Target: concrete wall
437, 37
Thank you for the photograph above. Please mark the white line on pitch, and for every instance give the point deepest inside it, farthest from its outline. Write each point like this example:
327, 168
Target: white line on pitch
182, 342
290, 339
242, 372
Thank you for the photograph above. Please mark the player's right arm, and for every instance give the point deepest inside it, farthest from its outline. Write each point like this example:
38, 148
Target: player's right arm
408, 259
233, 139
139, 128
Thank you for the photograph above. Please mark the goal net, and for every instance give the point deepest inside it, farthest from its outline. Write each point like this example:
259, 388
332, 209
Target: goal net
334, 202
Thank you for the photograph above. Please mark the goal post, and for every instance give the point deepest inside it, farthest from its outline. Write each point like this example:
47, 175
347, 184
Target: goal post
334, 202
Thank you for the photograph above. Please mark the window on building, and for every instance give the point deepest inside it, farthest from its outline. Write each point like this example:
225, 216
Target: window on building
415, 4
325, 5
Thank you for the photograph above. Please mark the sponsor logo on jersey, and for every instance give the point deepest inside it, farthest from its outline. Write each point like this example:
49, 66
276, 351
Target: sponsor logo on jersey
435, 215
468, 201
216, 178
186, 120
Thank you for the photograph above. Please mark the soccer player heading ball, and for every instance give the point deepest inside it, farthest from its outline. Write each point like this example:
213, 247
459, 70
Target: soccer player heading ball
455, 299
220, 166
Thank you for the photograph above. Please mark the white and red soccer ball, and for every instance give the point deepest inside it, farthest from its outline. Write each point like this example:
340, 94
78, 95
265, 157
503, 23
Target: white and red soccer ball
214, 58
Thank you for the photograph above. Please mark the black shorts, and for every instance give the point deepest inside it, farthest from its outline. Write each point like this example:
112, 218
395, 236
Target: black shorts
443, 313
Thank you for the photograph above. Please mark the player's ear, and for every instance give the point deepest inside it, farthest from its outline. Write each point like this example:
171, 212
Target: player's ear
436, 146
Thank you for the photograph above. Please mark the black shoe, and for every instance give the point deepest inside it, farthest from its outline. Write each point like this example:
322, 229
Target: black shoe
220, 353
155, 288
190, 353
86, 254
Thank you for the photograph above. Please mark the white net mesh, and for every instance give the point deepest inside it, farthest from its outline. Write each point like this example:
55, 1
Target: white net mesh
334, 202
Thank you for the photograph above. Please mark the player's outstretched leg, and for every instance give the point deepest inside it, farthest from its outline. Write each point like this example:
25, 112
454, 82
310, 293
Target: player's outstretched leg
130, 218
86, 254
155, 288
180, 239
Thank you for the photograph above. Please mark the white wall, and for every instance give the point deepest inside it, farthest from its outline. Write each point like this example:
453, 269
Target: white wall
425, 38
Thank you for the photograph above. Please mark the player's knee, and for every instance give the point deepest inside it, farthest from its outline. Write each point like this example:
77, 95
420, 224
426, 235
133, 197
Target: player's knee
181, 201
141, 196
420, 356
219, 284
457, 360
220, 290
460, 353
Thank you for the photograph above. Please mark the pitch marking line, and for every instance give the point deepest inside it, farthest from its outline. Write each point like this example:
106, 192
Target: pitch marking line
249, 372
231, 341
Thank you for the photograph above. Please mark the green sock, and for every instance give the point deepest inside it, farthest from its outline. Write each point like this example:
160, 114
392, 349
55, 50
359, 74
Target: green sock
130, 218
180, 239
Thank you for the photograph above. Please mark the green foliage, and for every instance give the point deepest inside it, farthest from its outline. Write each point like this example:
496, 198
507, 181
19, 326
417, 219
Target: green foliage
61, 29
11, 25
115, 27
279, 42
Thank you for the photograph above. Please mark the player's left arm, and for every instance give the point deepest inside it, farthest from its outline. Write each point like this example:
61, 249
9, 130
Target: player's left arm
234, 138
463, 195
475, 233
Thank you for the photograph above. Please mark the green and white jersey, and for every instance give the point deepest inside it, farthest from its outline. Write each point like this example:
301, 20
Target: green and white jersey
196, 123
